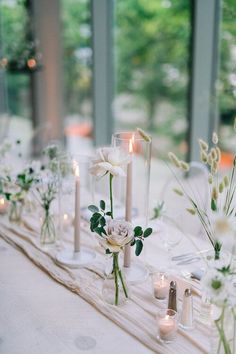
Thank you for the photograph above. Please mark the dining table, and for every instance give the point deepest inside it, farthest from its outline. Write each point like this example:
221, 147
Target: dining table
49, 308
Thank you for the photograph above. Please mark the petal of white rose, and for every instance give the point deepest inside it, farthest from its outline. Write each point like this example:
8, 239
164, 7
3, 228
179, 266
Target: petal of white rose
114, 157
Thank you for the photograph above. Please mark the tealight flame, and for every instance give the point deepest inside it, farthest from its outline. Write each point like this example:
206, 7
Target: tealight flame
2, 201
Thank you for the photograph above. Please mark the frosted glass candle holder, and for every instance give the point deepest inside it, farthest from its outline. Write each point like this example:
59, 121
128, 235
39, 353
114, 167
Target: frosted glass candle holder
167, 325
160, 284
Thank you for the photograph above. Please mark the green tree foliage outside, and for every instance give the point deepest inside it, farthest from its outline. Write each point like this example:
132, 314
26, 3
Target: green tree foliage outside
152, 46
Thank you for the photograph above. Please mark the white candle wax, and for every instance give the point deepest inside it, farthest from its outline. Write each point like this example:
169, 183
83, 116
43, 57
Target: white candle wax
167, 328
66, 222
3, 205
161, 288
77, 211
128, 204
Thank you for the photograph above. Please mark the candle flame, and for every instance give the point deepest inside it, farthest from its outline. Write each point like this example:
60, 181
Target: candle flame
76, 168
2, 201
65, 217
131, 144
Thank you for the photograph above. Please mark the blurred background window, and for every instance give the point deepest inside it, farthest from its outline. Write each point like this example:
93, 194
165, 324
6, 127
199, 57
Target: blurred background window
77, 74
151, 55
227, 80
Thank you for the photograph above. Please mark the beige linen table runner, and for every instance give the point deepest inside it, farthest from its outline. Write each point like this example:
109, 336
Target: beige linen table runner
137, 317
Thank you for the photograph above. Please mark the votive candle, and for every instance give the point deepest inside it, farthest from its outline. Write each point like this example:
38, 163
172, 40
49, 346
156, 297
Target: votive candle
160, 286
167, 325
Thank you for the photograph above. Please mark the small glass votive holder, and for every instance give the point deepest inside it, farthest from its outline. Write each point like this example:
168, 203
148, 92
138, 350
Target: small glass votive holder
167, 325
160, 285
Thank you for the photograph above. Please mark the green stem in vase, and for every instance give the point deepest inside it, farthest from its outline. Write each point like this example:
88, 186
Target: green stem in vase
123, 284
234, 330
220, 327
111, 196
115, 270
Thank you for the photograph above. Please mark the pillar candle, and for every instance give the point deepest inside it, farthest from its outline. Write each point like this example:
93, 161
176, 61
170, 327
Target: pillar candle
77, 211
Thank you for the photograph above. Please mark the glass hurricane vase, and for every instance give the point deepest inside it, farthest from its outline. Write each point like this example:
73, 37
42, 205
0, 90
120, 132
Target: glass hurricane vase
48, 231
115, 290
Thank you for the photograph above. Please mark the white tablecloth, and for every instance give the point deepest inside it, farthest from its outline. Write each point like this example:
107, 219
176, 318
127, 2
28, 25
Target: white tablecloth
38, 315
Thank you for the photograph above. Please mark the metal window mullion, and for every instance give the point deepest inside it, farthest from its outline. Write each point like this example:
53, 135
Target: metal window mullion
203, 115
103, 82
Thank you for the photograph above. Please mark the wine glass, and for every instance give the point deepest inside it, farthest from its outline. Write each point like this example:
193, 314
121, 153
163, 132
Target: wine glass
171, 236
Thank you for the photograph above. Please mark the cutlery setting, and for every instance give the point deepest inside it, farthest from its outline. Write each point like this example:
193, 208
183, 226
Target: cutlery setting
188, 258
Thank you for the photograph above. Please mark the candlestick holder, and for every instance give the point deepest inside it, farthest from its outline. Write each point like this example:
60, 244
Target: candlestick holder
132, 193
73, 259
75, 197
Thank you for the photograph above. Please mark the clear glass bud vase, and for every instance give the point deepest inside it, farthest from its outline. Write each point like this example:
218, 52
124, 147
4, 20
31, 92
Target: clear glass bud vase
223, 334
48, 231
15, 211
115, 290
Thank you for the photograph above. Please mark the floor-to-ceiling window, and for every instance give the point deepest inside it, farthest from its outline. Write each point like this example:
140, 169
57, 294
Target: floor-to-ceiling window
151, 61
227, 80
77, 64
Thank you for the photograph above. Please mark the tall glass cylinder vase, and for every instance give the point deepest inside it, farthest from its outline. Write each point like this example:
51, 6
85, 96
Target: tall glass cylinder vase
132, 192
136, 185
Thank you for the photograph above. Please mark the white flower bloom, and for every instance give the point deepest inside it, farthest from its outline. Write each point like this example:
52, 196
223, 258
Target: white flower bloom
215, 285
119, 234
224, 227
109, 160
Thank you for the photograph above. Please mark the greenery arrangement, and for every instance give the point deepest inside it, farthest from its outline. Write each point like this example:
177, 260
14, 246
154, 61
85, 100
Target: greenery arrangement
218, 219
46, 193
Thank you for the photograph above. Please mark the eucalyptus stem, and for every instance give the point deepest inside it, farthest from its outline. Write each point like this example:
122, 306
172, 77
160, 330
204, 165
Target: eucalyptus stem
111, 196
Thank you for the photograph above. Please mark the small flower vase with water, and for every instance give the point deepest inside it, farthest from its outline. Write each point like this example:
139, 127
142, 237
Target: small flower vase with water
115, 290
15, 211
48, 231
223, 337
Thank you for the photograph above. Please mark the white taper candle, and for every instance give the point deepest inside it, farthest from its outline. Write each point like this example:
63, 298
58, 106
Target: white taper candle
128, 206
77, 211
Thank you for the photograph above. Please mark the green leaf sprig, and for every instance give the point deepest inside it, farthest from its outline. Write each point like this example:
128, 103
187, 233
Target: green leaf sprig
98, 223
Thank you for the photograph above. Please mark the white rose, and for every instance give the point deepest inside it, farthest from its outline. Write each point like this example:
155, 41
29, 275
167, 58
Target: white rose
119, 234
109, 160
